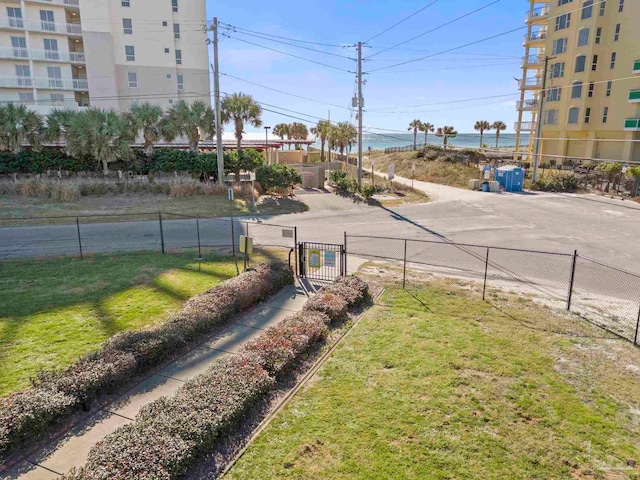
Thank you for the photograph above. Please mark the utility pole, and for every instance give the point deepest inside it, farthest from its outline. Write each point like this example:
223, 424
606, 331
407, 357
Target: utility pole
216, 86
536, 159
329, 141
360, 102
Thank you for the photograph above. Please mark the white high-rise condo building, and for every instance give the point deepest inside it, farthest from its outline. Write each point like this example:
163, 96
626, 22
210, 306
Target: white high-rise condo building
102, 53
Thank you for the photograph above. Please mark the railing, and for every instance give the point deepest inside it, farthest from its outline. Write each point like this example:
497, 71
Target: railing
535, 37
531, 82
61, 83
538, 13
634, 96
16, 82
525, 126
46, 55
532, 60
632, 124
530, 104
41, 25
71, 3
14, 52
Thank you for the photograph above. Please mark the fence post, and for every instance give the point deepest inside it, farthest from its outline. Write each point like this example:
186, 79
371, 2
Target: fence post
346, 255
79, 239
635, 339
233, 240
295, 246
161, 232
198, 230
573, 276
486, 271
246, 244
404, 267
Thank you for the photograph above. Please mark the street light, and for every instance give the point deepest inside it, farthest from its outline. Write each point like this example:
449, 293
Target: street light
266, 134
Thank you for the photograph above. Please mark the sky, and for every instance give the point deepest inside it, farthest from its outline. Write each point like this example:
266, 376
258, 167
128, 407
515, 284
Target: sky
394, 96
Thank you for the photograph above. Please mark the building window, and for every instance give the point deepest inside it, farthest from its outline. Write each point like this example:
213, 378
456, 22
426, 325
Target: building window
166, 50
564, 2
165, 24
583, 37
554, 94
594, 63
563, 21
551, 117
598, 34
587, 9
19, 45
580, 63
133, 79
170, 101
26, 98
605, 115
15, 17
46, 21
135, 102
609, 87
621, 7
612, 65
168, 76
180, 83
130, 53
174, 5
55, 77
176, 30
574, 114
587, 115
592, 87
603, 7
616, 37
126, 3
560, 46
24, 75
576, 90
178, 57
557, 70
127, 25
57, 99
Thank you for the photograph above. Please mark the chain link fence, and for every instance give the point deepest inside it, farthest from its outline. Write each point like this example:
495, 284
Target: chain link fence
604, 295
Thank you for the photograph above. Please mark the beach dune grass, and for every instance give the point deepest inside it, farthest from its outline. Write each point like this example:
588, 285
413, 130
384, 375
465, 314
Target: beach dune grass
451, 387
55, 310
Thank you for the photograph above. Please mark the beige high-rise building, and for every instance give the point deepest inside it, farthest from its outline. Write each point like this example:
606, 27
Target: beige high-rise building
592, 106
102, 53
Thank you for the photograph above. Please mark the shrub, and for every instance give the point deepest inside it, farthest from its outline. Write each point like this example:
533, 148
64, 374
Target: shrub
368, 191
336, 176
247, 160
277, 176
131, 353
557, 183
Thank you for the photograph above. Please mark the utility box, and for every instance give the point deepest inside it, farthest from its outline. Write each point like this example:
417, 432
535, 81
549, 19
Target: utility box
474, 184
511, 178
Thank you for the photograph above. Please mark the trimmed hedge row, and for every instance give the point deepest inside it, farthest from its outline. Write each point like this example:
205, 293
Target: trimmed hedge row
168, 435
24, 415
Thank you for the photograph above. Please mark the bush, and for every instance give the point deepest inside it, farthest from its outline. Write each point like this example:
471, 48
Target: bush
169, 434
336, 176
557, 183
368, 191
247, 160
277, 176
131, 353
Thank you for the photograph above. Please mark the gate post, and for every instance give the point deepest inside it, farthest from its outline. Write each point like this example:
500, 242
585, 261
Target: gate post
79, 239
161, 232
573, 276
295, 246
345, 254
486, 271
404, 268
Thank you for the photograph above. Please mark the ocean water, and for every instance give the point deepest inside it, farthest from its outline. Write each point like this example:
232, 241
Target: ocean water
463, 140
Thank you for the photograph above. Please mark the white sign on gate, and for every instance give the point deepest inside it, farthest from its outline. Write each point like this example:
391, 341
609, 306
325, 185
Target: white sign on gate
330, 259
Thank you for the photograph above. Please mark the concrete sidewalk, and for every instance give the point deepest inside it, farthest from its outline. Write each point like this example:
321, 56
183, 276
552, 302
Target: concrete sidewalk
73, 450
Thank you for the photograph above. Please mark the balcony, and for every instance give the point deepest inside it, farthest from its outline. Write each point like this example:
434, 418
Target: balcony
535, 39
19, 53
634, 96
531, 104
45, 107
41, 25
525, 126
533, 61
636, 67
64, 3
539, 14
632, 125
531, 83
44, 83
16, 82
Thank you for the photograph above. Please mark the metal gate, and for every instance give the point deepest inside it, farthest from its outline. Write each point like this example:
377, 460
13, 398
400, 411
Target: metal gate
322, 261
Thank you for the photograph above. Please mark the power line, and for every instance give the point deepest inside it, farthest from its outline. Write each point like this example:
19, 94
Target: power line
402, 21
282, 38
454, 53
291, 44
289, 54
449, 68
436, 28
445, 103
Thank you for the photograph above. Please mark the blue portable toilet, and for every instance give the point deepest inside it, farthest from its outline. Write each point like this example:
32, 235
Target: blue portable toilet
511, 178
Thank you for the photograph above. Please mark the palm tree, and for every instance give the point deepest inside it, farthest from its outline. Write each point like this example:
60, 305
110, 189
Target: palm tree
498, 127
344, 135
322, 130
57, 124
299, 131
482, 126
240, 108
146, 119
100, 134
416, 126
426, 128
189, 120
281, 130
446, 132
19, 126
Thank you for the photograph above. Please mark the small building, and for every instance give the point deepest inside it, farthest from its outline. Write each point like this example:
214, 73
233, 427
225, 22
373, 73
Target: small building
511, 178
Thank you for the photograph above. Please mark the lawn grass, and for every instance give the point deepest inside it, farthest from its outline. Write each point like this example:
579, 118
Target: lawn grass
53, 311
210, 206
440, 385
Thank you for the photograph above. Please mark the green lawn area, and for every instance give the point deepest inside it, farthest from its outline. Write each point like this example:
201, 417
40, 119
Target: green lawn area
446, 386
53, 311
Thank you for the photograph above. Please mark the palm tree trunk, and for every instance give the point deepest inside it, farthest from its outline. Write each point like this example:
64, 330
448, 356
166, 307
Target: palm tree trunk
481, 138
105, 166
322, 150
497, 138
149, 151
415, 139
446, 142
